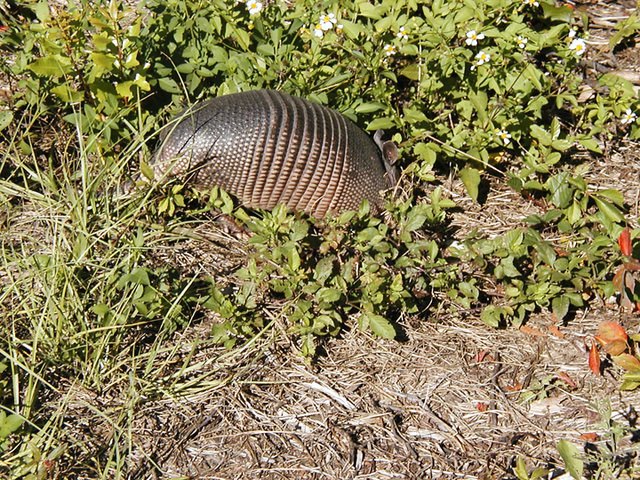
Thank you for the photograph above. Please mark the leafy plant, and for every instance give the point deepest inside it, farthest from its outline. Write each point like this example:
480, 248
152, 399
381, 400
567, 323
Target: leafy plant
572, 458
520, 471
355, 265
621, 347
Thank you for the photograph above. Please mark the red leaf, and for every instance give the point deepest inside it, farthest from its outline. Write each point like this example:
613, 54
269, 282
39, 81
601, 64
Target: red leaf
610, 332
515, 387
483, 355
589, 437
624, 241
481, 406
564, 376
618, 279
594, 359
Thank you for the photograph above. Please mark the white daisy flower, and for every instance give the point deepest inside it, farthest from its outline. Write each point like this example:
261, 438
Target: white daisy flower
504, 136
522, 41
473, 37
628, 117
482, 57
327, 21
578, 45
254, 7
389, 50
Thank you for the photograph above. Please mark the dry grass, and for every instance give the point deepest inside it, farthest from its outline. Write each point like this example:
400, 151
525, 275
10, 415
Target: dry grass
369, 408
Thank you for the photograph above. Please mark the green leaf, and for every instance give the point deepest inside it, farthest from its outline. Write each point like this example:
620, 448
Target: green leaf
139, 276
513, 239
546, 252
329, 295
381, 326
561, 14
560, 307
51, 66
146, 170
413, 115
168, 85
571, 456
627, 362
6, 117
479, 100
369, 107
628, 385
471, 179
491, 315
66, 94
626, 28
415, 219
412, 72
42, 11
103, 60
590, 144
124, 89
9, 424
538, 473
352, 30
608, 209
100, 309
383, 123
541, 134
369, 10
426, 151
335, 79
614, 195
521, 469
561, 191
294, 258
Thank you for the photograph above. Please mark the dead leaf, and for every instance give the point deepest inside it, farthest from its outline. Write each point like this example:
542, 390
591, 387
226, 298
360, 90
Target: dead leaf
594, 359
586, 92
515, 387
616, 347
481, 406
564, 376
531, 331
631, 76
483, 355
590, 437
553, 329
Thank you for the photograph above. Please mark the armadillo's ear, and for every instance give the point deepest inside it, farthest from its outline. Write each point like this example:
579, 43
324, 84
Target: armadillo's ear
390, 152
377, 137
389, 157
388, 148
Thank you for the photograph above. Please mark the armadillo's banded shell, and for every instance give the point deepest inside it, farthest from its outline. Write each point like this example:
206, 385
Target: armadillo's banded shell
267, 148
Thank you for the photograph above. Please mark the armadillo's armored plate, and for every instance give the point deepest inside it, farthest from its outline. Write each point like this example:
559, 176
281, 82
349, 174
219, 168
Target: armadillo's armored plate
267, 148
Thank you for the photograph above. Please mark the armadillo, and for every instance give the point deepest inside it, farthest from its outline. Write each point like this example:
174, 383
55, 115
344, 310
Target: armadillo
267, 148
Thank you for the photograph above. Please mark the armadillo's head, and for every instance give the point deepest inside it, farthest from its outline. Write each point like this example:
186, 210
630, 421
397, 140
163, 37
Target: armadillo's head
389, 156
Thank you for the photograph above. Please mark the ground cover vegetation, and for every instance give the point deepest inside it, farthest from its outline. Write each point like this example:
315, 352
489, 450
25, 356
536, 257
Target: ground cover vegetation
479, 90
